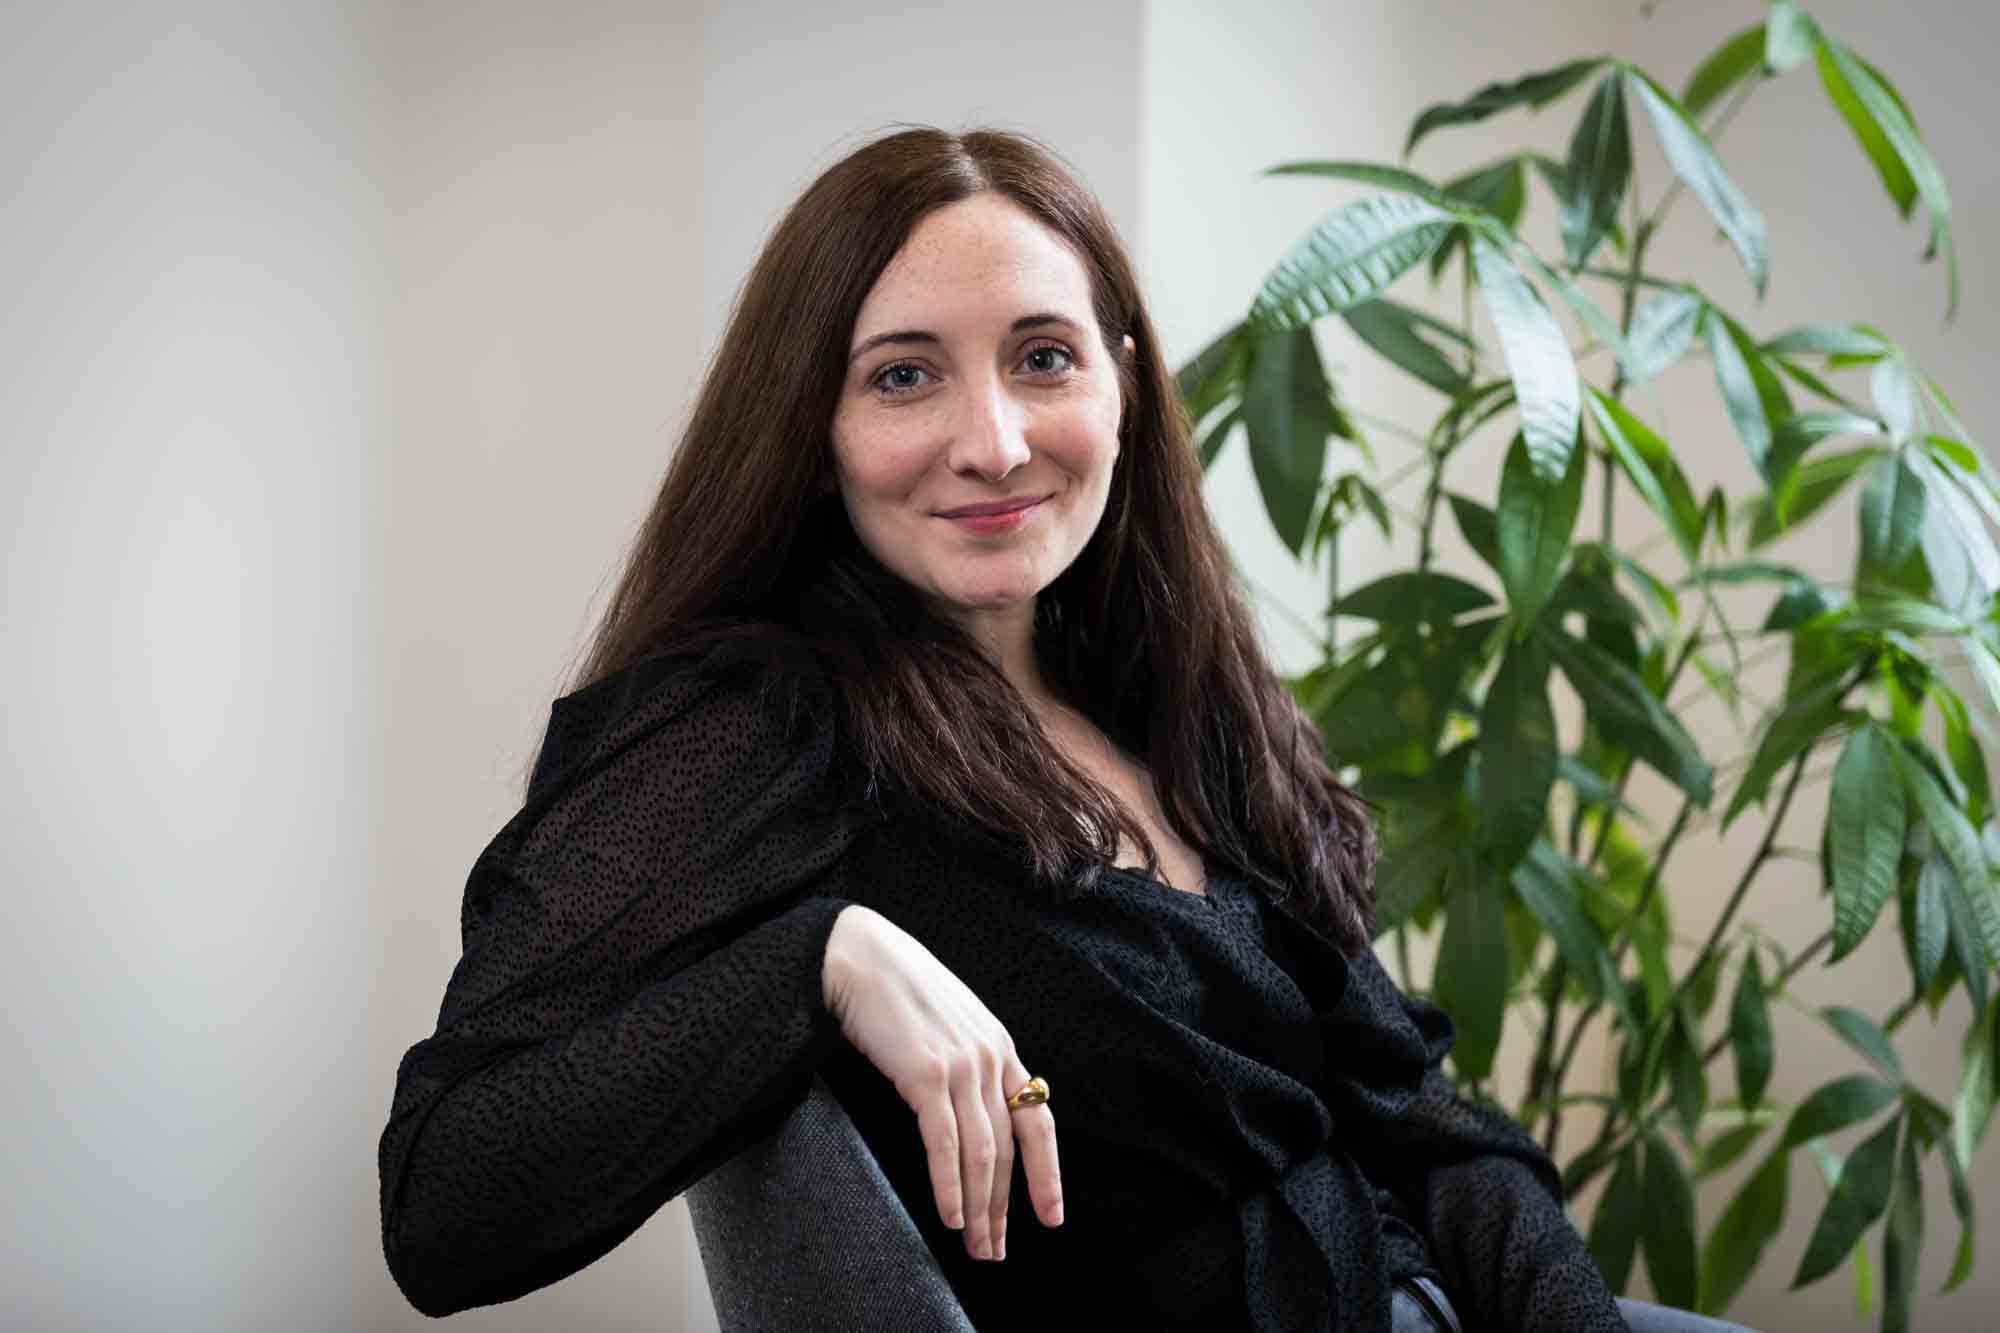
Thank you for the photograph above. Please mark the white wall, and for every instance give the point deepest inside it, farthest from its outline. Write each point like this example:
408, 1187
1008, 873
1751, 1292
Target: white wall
1232, 91
191, 439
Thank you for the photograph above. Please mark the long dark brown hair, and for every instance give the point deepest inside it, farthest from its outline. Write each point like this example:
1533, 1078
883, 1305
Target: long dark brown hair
1145, 633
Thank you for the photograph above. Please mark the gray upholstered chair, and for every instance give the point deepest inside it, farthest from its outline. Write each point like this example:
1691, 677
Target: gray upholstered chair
802, 1231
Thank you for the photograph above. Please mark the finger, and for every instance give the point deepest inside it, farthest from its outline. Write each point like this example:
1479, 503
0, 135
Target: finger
1035, 1137
976, 1153
939, 1128
1003, 1158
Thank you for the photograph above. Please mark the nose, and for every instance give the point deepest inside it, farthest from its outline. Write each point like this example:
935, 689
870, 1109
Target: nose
990, 439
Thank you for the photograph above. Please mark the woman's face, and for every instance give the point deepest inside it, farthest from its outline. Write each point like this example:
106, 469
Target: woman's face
978, 422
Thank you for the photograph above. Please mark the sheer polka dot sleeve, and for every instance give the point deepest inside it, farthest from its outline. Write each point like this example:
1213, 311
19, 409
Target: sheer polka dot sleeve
639, 994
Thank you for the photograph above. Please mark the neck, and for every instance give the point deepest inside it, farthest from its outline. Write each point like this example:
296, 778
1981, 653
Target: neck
1008, 636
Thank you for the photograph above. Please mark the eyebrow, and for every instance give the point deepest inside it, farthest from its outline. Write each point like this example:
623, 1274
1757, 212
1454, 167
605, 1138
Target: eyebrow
1025, 322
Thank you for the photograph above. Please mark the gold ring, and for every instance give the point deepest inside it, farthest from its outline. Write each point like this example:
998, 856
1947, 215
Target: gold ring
1034, 1094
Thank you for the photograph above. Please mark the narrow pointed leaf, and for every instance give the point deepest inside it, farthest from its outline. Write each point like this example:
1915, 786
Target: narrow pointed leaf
1794, 435
1217, 436
1902, 1239
1546, 885
1961, 848
1412, 595
1538, 360
1535, 90
1750, 389
1668, 1229
1662, 329
1802, 720
1858, 1199
1398, 332
1646, 459
1750, 1032
1827, 340
1966, 946
1287, 405
1789, 37
1517, 752
1348, 258
1215, 373
1895, 397
1477, 525
1866, 820
1532, 528
1962, 1203
1631, 715
1471, 976
1814, 485
1367, 173
1694, 160
1845, 1101
1932, 921
1892, 514
1978, 1085
1746, 1227
1724, 68
1598, 171
1614, 1229
1859, 1031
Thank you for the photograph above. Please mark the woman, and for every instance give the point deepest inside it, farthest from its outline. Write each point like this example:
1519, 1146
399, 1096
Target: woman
926, 746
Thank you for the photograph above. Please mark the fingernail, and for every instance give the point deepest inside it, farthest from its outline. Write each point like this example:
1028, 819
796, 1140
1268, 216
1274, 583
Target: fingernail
1056, 1212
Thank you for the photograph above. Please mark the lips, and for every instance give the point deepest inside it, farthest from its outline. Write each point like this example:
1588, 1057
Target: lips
993, 507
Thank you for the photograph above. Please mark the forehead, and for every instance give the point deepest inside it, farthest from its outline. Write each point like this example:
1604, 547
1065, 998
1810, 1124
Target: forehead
977, 258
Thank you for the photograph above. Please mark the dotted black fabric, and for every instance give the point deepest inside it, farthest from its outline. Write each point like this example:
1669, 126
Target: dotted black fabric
1254, 1130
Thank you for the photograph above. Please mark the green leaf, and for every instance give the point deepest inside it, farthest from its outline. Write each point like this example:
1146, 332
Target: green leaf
1931, 922
1858, 1199
1498, 189
1614, 1228
1662, 329
1545, 882
1793, 436
1890, 140
1902, 1239
1216, 372
1750, 389
1790, 37
1753, 1217
1968, 1219
1538, 360
1398, 332
1517, 753
1892, 514
1955, 838
1667, 1229
1750, 1031
1599, 169
1535, 90
1968, 759
1413, 866
1348, 258
1288, 407
1367, 173
1532, 527
1476, 524
1966, 947
1836, 1105
1859, 1031
1470, 980
1813, 485
1963, 562
1647, 460
1694, 160
1629, 714
1217, 436
1412, 595
1724, 68
1689, 1082
1827, 340
1895, 396
1866, 821
1802, 720
1978, 1087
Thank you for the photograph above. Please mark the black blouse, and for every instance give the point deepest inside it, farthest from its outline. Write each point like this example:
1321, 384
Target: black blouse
1254, 1130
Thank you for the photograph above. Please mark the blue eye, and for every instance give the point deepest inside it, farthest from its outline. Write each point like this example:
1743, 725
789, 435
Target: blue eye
882, 375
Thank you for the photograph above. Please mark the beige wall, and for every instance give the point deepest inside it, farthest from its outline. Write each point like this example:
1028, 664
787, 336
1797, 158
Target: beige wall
346, 346
1232, 91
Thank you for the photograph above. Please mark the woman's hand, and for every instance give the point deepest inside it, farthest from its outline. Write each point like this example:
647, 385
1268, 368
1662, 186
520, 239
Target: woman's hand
955, 1065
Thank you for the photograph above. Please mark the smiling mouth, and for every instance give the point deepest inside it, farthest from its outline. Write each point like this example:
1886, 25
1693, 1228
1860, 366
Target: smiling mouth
994, 508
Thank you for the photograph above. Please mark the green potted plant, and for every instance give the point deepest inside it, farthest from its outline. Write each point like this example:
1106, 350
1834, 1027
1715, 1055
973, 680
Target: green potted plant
1547, 892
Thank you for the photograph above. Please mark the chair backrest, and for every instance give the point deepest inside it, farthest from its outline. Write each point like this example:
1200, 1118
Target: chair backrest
802, 1230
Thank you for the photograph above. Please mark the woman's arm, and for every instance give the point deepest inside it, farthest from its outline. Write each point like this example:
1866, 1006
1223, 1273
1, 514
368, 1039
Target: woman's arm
640, 995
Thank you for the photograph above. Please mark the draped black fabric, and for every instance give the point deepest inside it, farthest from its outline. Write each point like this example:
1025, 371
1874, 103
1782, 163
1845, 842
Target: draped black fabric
1254, 1130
